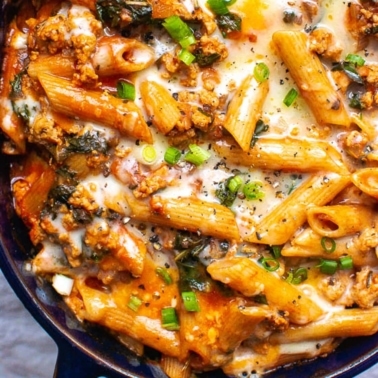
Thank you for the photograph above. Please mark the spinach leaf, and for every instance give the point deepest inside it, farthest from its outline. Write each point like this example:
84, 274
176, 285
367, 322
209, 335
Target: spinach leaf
90, 141
118, 13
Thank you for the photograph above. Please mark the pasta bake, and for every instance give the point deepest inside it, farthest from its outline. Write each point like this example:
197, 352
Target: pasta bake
200, 177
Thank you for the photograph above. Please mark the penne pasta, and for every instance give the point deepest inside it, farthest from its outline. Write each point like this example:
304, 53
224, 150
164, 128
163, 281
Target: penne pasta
161, 107
366, 180
309, 244
187, 214
339, 220
245, 109
311, 78
95, 106
58, 65
280, 225
121, 56
245, 276
286, 154
344, 323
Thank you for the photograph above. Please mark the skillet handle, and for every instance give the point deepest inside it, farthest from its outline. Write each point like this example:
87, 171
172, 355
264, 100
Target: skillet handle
73, 363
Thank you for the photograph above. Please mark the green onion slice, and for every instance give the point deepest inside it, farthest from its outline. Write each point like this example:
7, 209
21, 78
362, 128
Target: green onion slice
190, 301
179, 31
276, 251
219, 7
346, 262
149, 154
290, 97
327, 266
134, 303
355, 59
269, 263
234, 184
172, 155
252, 191
261, 72
164, 275
169, 319
197, 155
186, 56
328, 244
297, 276
125, 90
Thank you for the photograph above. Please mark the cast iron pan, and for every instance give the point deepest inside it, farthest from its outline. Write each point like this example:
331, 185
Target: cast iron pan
87, 351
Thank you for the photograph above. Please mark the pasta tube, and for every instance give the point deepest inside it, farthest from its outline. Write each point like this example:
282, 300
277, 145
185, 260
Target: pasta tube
244, 275
95, 106
245, 110
311, 78
340, 220
286, 154
282, 222
121, 56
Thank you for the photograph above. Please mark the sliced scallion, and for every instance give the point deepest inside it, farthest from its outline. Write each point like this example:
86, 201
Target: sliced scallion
134, 303
261, 72
186, 56
290, 97
125, 90
327, 266
197, 155
276, 251
219, 7
149, 154
234, 184
269, 263
164, 275
190, 301
299, 275
355, 59
346, 262
172, 155
169, 319
252, 191
328, 244
179, 31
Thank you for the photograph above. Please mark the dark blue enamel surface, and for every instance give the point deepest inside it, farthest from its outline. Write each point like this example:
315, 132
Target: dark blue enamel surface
91, 352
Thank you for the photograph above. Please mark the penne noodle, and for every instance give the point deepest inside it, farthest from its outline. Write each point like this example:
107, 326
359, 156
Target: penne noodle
311, 78
344, 323
280, 224
121, 56
95, 106
244, 110
366, 180
161, 107
11, 124
287, 154
58, 65
339, 220
247, 277
309, 244
174, 368
187, 214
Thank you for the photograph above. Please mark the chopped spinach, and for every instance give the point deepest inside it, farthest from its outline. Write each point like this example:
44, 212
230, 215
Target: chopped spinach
228, 23
115, 13
90, 141
355, 101
260, 128
205, 60
21, 111
350, 70
16, 86
61, 193
224, 194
